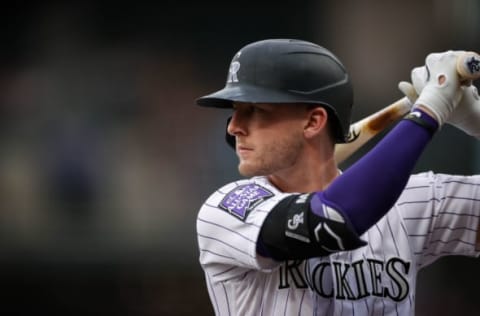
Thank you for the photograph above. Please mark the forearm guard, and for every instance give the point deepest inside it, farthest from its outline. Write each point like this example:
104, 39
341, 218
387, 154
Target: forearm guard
293, 231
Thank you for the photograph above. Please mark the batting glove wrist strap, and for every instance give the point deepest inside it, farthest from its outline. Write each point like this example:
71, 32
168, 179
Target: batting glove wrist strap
421, 118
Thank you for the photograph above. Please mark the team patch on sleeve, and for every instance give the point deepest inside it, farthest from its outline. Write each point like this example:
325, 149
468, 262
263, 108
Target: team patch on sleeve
243, 199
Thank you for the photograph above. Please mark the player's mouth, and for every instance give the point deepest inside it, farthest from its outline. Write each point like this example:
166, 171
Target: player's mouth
243, 150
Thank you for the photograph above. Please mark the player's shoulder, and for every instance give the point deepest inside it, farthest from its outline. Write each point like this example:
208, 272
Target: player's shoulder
420, 177
432, 178
238, 197
251, 187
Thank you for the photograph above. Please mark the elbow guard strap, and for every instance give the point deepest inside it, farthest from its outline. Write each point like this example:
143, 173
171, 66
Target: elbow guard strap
293, 231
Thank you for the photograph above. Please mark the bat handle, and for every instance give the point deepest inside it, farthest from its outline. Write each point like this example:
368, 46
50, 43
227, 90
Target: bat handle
468, 66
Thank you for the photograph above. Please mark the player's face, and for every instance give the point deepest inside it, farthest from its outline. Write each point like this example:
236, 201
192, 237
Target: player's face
269, 138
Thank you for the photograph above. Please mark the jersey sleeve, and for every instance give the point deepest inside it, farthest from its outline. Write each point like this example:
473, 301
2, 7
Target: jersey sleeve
441, 215
228, 227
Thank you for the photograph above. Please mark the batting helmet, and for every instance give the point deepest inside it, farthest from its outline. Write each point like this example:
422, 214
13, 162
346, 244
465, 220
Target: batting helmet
288, 71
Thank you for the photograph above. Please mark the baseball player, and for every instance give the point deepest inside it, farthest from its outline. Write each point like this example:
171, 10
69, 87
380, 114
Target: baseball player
291, 103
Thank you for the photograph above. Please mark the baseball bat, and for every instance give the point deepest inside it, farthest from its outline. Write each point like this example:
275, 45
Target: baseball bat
365, 129
468, 68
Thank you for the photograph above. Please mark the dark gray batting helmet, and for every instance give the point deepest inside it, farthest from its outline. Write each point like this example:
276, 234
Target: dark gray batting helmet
288, 71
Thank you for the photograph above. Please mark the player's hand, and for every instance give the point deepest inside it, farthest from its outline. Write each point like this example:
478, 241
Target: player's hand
466, 115
442, 90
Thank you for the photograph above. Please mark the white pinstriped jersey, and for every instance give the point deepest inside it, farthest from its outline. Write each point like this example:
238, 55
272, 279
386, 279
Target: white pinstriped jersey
436, 215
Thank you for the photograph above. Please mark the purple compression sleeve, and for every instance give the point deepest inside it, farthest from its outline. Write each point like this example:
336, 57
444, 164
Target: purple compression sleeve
369, 188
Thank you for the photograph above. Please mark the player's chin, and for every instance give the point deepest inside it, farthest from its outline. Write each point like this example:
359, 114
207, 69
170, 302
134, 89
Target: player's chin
247, 169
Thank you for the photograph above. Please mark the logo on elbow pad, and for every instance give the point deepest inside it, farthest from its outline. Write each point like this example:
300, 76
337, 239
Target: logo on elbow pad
295, 221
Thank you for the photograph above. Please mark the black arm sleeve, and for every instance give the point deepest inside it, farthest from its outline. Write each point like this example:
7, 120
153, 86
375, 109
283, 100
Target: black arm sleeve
292, 231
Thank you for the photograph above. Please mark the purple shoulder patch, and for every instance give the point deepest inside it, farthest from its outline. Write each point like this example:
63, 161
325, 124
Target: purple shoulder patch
244, 198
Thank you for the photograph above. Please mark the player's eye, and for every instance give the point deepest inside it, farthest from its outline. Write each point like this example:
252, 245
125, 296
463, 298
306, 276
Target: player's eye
248, 110
256, 109
259, 108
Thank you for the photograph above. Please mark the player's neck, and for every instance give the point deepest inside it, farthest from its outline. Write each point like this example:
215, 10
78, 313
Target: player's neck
308, 176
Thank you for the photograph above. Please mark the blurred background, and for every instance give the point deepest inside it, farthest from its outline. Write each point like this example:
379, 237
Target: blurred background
105, 159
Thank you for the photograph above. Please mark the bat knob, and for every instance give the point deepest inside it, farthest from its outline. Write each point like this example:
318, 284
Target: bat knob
468, 66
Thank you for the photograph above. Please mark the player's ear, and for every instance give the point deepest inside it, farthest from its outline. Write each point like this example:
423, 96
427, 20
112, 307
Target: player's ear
316, 121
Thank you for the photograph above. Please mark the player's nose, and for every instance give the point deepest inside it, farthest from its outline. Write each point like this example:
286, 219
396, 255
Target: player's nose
236, 125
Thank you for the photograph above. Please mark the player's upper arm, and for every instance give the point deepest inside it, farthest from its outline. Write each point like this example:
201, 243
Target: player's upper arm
441, 215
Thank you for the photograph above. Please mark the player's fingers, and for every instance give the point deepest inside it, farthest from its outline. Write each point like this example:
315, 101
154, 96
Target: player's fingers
474, 92
419, 76
408, 90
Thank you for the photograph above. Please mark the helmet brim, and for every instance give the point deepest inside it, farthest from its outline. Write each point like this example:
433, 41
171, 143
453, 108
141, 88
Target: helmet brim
249, 94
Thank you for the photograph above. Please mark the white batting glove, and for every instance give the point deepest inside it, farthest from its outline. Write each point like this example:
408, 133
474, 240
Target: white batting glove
466, 115
442, 90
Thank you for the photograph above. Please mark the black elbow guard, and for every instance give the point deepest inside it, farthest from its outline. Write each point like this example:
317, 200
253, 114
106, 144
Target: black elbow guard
292, 231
